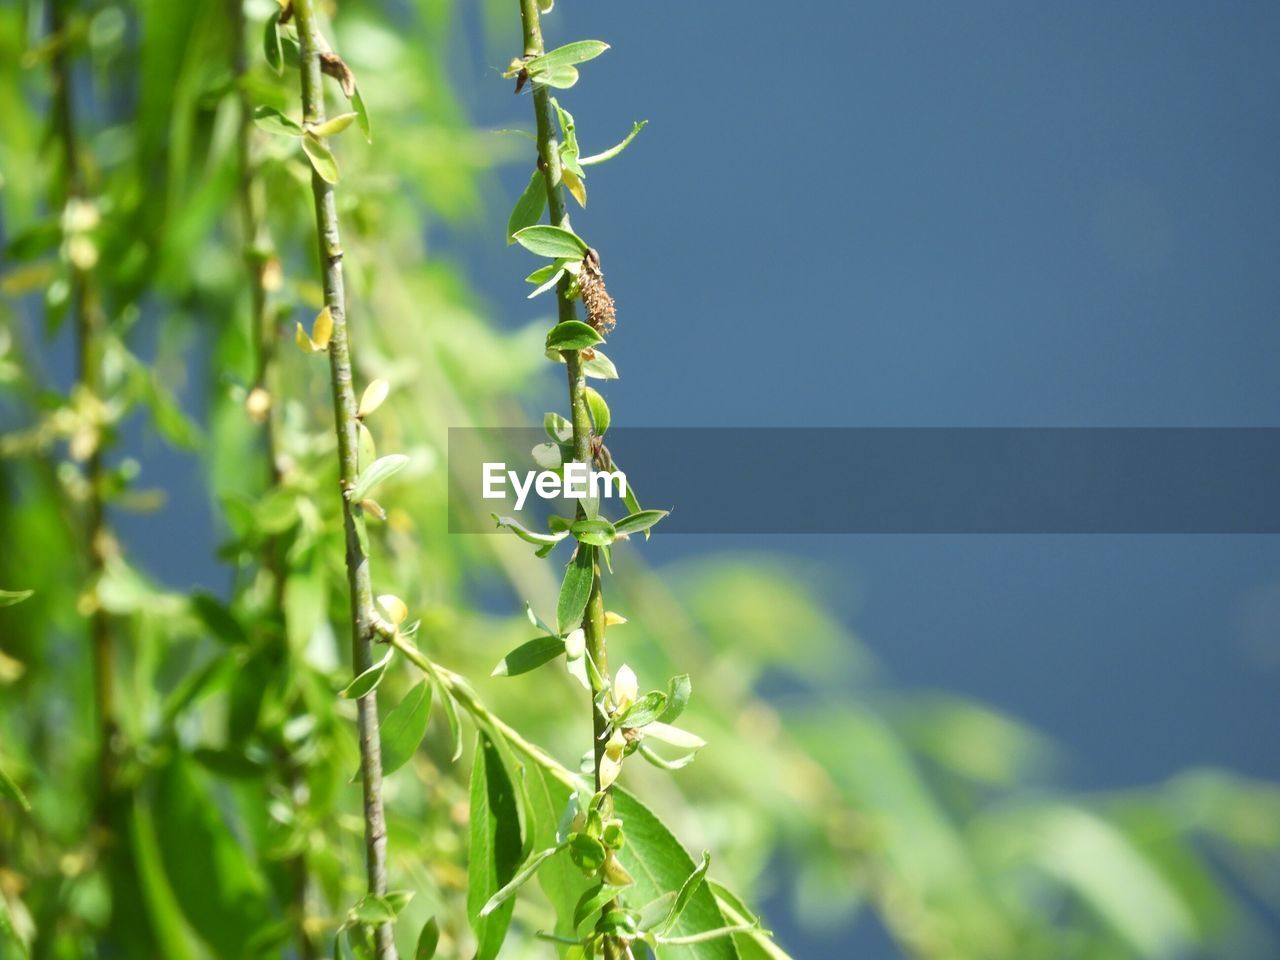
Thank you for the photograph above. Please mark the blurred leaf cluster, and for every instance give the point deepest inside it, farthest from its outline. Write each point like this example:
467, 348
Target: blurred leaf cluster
233, 829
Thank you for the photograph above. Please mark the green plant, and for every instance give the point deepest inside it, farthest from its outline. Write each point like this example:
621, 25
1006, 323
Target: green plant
356, 479
80, 216
239, 827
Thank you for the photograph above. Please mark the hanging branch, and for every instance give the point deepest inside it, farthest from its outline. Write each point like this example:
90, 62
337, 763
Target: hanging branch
331, 334
620, 717
79, 214
551, 167
259, 405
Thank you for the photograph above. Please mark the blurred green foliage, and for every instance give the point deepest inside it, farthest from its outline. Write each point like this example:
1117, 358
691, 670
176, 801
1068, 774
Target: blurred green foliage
233, 827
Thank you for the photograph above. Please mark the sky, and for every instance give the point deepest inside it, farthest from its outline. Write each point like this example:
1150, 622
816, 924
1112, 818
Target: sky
980, 214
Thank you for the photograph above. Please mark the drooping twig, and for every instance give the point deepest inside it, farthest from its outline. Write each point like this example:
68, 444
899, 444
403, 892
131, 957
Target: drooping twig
89, 322
259, 405
549, 163
363, 617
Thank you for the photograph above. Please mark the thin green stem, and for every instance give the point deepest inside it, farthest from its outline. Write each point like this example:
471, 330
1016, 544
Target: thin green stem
363, 615
466, 697
593, 621
89, 323
549, 164
262, 402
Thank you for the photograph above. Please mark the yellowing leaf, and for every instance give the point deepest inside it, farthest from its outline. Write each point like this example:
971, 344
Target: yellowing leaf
575, 185
334, 125
366, 451
305, 343
395, 609
372, 398
322, 330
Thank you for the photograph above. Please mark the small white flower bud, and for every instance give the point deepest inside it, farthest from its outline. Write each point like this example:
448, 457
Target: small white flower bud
609, 770
625, 688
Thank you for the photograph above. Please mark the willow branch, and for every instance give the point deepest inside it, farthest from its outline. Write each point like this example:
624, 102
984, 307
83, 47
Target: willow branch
363, 616
88, 326
593, 620
260, 406
549, 164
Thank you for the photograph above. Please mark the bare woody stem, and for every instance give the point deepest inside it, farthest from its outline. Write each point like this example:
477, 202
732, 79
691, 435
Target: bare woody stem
363, 616
89, 323
593, 620
254, 237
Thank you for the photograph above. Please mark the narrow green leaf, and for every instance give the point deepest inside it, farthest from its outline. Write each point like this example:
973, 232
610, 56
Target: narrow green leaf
600, 415
576, 588
653, 913
597, 533
645, 710
687, 890
616, 149
674, 736
527, 535
562, 78
213, 613
580, 51
591, 903
404, 728
362, 115
273, 121
373, 910
568, 145
529, 656
587, 852
600, 367
398, 899
322, 159
548, 271
662, 763
156, 895
495, 847
9, 787
380, 470
572, 335
271, 42
754, 944
8, 932
292, 51
642, 520
659, 865
218, 887
521, 878
368, 681
529, 206
428, 940
366, 450
633, 502
679, 690
548, 241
